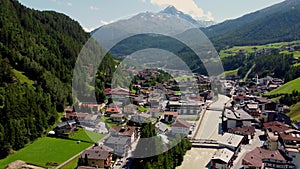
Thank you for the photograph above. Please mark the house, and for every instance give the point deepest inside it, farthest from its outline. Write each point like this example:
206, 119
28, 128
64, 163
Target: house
181, 127
125, 131
98, 156
65, 126
253, 110
231, 141
272, 130
188, 107
170, 117
236, 118
117, 118
247, 131
262, 158
140, 118
154, 112
289, 143
223, 158
95, 107
130, 109
162, 128
89, 120
120, 145
109, 111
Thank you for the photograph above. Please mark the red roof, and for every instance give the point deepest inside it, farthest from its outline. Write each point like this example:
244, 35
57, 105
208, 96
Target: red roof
113, 110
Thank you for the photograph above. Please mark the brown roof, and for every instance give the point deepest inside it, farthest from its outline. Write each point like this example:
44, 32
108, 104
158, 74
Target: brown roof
124, 131
245, 130
97, 152
168, 113
276, 126
181, 123
254, 158
290, 135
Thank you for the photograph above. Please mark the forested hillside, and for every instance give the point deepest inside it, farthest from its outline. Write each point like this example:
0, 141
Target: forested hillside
45, 46
278, 23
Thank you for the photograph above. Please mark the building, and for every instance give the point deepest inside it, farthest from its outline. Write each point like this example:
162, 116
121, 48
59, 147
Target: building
247, 131
170, 117
223, 158
120, 145
155, 112
125, 131
236, 118
162, 128
140, 118
98, 156
231, 141
272, 130
262, 158
130, 109
109, 111
189, 107
253, 110
117, 118
289, 143
181, 127
65, 127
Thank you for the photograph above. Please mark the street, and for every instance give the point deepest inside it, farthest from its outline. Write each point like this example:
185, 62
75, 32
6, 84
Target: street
198, 158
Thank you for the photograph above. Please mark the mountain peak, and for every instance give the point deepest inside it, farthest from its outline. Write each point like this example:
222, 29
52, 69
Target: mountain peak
171, 10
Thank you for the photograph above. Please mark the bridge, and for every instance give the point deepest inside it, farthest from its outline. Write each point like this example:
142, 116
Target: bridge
207, 143
203, 141
214, 109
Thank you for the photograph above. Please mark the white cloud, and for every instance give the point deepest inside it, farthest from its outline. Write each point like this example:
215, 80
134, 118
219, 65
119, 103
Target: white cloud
186, 6
94, 8
69, 4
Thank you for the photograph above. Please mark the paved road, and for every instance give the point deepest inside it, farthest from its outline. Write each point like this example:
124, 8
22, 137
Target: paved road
198, 158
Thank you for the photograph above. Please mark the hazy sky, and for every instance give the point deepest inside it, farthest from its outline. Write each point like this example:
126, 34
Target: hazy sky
94, 13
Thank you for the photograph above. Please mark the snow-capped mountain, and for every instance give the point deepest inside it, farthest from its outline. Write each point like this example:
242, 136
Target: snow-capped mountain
173, 11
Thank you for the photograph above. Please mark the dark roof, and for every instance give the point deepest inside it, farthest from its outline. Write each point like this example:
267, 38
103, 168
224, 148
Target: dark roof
124, 131
245, 130
117, 140
97, 152
181, 123
256, 156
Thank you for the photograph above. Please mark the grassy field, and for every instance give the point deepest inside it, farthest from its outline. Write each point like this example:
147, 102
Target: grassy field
295, 112
230, 73
72, 164
287, 88
22, 78
45, 150
142, 109
88, 136
251, 49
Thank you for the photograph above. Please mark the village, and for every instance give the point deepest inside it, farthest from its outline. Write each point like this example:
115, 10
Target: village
253, 132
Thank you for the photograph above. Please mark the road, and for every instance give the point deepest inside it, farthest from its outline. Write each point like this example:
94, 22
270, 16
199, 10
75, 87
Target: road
198, 158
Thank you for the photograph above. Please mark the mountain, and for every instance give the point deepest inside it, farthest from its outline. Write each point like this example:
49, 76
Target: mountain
168, 19
280, 22
173, 11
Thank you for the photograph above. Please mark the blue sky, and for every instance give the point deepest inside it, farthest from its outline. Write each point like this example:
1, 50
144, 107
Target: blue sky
94, 13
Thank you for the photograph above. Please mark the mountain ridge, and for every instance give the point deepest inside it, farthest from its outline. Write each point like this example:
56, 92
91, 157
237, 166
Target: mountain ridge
279, 22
